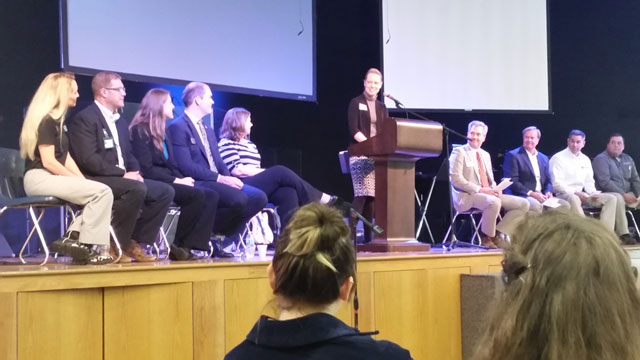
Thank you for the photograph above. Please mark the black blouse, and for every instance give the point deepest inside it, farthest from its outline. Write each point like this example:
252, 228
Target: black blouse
49, 134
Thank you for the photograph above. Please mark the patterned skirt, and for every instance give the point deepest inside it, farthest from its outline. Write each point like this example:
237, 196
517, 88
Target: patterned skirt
363, 176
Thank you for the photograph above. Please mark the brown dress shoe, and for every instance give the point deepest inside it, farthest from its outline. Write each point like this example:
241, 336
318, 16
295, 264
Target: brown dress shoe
123, 259
134, 251
488, 241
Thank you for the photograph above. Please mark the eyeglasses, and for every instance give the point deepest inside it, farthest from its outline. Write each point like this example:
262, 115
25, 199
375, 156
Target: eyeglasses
122, 89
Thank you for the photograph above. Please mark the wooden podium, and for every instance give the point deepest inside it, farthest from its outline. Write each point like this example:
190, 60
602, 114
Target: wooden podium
395, 150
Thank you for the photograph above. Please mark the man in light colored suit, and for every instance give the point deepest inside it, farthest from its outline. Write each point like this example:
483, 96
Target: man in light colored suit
473, 186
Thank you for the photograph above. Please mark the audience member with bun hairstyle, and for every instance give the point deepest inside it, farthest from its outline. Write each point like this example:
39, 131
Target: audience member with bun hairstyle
312, 274
570, 293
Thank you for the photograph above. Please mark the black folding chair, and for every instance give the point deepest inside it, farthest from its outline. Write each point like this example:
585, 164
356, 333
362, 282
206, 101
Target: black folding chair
13, 196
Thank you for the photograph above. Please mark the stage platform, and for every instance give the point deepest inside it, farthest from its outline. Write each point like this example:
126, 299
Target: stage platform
202, 309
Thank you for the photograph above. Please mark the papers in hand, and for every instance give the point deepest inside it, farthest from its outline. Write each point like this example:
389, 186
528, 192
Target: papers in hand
505, 183
551, 202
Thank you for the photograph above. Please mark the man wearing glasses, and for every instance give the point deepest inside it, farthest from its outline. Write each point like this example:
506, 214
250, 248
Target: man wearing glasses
100, 144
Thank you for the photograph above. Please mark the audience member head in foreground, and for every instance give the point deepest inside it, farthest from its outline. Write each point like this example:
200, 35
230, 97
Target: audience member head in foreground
312, 275
570, 293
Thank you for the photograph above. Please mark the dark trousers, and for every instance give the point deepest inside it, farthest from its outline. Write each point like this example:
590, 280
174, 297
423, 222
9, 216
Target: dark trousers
138, 207
235, 207
365, 205
197, 215
285, 189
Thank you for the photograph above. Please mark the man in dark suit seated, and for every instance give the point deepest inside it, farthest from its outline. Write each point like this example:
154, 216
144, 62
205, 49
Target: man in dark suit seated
100, 145
528, 168
196, 154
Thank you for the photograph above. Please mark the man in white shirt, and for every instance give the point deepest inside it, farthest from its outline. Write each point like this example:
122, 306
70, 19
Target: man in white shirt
572, 177
473, 186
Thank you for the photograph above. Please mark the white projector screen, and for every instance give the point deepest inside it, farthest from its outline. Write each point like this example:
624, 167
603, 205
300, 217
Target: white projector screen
248, 46
466, 54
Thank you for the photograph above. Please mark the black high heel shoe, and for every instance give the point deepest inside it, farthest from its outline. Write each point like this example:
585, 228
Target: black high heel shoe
343, 206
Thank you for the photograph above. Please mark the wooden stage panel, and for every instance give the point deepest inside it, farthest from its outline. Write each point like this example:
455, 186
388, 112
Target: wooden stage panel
400, 299
244, 302
148, 322
208, 319
8, 325
202, 309
62, 324
444, 333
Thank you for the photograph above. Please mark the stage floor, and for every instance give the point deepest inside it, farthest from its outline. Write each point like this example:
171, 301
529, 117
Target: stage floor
9, 264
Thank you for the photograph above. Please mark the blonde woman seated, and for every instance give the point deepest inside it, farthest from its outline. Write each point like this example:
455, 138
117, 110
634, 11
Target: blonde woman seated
51, 171
312, 275
570, 293
283, 187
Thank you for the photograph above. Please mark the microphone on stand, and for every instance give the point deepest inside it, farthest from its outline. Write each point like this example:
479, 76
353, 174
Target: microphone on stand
396, 101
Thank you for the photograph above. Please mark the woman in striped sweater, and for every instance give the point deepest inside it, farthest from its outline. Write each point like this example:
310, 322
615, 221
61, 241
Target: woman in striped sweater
283, 187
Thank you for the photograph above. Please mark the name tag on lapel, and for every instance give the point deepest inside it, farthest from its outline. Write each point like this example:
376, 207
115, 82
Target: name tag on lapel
108, 140
193, 141
362, 107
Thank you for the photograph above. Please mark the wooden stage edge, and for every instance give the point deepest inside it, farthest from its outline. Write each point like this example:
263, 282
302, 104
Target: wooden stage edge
202, 309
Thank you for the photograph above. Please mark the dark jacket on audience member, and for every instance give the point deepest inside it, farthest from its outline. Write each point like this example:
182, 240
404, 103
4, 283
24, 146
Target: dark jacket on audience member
315, 336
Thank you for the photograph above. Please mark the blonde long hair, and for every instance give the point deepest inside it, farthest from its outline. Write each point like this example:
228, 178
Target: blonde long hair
570, 293
51, 99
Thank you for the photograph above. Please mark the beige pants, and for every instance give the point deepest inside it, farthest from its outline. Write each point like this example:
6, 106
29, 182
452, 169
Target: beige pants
612, 210
516, 208
95, 199
536, 206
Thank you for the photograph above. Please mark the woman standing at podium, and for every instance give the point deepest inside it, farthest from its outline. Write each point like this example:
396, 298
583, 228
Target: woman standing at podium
366, 115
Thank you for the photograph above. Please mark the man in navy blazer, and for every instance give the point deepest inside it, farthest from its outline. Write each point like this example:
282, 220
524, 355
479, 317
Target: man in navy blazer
528, 168
100, 145
196, 153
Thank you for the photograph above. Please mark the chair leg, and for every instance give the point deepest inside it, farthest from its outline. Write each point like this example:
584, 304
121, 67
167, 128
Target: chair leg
446, 236
156, 249
633, 220
476, 227
165, 241
117, 243
174, 212
36, 226
423, 215
24, 245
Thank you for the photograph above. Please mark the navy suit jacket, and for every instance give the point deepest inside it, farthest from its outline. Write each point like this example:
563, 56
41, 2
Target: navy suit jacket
87, 132
153, 165
189, 152
518, 167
